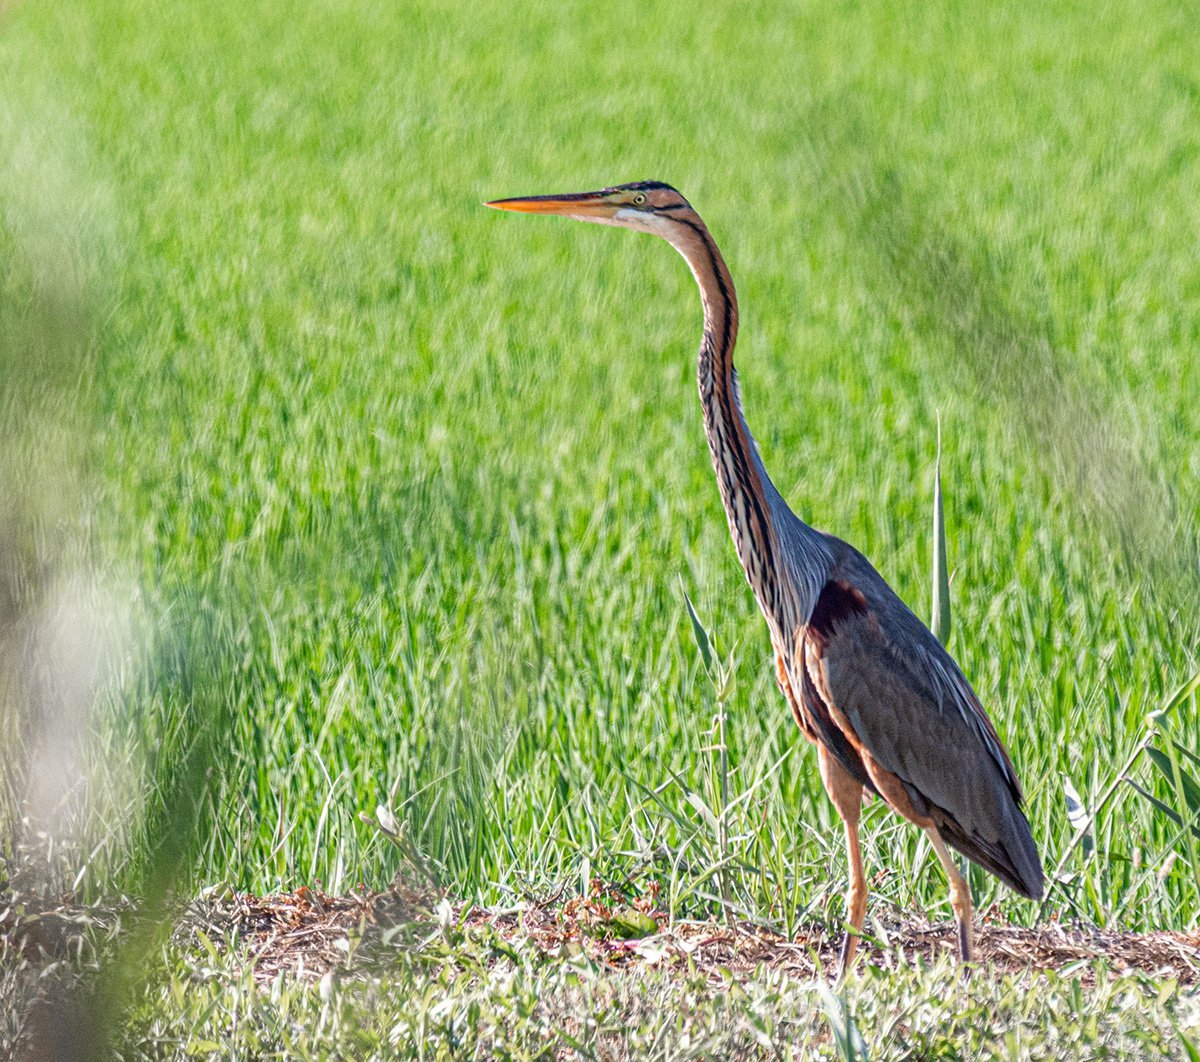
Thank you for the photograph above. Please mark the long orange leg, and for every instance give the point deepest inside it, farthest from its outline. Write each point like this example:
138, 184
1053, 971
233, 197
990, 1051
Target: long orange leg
960, 895
846, 794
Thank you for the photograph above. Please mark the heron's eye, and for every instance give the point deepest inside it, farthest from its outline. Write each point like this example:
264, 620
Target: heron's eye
639, 199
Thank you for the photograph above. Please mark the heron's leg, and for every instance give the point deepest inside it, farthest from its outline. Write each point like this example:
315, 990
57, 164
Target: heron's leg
846, 794
960, 895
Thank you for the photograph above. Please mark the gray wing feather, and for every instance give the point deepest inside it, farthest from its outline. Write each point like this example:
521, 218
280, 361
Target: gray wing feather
913, 710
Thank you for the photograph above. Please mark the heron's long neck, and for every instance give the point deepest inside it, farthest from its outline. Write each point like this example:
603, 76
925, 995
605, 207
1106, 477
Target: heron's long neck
747, 492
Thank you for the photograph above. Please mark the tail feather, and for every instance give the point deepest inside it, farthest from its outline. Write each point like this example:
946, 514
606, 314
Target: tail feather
1013, 858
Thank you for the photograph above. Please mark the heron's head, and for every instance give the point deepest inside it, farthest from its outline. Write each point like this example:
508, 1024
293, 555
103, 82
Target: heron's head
647, 205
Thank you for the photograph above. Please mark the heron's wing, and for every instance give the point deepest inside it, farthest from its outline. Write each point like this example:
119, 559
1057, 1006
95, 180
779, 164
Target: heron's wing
872, 671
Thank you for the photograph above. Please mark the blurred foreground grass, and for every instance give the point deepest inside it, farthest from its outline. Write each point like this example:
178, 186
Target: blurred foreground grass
531, 1008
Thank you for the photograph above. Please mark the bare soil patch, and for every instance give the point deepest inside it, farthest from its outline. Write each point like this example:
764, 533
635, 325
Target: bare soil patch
308, 933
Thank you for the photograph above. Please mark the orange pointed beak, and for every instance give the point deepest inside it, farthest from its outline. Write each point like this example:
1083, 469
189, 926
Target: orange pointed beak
585, 205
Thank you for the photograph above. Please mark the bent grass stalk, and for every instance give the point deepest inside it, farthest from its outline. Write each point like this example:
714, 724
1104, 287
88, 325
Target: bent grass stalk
723, 681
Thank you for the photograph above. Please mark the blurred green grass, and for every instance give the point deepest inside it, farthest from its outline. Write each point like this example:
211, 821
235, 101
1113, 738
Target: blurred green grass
537, 1005
409, 484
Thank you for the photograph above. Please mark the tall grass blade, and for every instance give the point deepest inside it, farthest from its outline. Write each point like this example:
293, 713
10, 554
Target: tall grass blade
703, 642
1078, 817
1189, 1047
940, 620
1186, 753
1162, 806
1187, 793
1188, 689
1187, 785
847, 1037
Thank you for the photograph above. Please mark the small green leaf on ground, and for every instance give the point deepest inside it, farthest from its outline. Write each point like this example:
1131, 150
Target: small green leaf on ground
631, 924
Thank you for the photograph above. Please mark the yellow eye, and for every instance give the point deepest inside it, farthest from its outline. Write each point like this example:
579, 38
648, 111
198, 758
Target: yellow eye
639, 199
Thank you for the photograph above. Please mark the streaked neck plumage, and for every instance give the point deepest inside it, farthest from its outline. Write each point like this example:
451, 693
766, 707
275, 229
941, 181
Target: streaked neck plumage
784, 559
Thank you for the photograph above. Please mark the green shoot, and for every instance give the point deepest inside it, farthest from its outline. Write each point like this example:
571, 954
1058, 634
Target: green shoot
940, 621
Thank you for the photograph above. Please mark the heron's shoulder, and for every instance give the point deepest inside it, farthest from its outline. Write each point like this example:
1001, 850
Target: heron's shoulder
849, 566
854, 587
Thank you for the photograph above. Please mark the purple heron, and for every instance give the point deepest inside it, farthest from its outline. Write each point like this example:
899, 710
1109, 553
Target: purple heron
868, 683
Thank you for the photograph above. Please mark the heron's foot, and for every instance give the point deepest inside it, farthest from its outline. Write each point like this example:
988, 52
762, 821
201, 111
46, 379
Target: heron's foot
966, 944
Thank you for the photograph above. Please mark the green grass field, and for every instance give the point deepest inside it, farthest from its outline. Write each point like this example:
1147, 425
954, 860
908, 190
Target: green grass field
376, 497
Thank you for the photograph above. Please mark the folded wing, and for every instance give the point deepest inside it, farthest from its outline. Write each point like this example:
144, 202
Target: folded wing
891, 704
